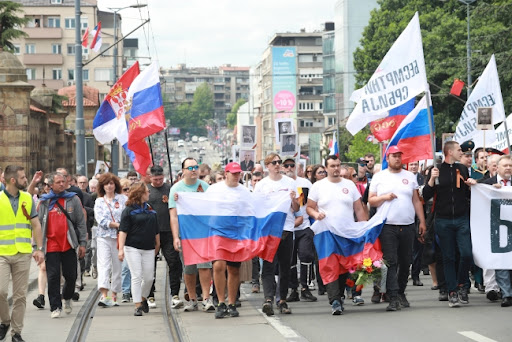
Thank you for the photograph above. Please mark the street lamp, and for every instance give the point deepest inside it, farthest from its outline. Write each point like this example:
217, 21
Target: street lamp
115, 149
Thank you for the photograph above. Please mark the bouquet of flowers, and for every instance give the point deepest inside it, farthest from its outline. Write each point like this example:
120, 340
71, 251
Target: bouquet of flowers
368, 272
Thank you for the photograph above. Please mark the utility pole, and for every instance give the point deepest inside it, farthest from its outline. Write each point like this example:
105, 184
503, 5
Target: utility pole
80, 126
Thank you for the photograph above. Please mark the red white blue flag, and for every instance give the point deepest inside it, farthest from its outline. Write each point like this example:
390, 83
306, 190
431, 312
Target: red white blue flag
214, 226
333, 146
96, 41
383, 129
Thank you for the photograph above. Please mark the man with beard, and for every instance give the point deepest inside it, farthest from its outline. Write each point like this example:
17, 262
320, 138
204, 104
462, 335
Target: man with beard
397, 235
18, 218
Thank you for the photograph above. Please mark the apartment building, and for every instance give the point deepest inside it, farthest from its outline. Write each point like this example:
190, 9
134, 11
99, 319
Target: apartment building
48, 52
228, 84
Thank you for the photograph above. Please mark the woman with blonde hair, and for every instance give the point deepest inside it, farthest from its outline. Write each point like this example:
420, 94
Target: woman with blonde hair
139, 242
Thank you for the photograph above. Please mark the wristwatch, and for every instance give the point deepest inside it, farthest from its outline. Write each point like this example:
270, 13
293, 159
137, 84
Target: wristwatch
35, 248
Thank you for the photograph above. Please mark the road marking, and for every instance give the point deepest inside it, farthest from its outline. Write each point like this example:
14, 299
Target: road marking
476, 337
283, 329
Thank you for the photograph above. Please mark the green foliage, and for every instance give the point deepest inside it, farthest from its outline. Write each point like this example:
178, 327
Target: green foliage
10, 23
231, 117
359, 147
444, 31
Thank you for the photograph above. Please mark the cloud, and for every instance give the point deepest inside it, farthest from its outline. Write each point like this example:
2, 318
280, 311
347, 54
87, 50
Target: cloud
211, 33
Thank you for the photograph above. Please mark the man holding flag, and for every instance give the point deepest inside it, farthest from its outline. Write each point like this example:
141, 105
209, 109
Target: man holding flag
397, 236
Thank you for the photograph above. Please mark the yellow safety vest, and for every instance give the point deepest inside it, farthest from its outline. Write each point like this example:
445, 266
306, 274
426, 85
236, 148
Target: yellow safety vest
15, 228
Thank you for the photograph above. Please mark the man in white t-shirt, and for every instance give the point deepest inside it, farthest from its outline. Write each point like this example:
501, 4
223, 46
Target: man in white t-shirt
303, 246
233, 190
335, 199
397, 236
273, 183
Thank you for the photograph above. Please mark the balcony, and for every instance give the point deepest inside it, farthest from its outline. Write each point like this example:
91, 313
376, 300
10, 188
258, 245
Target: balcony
44, 32
311, 81
42, 59
52, 84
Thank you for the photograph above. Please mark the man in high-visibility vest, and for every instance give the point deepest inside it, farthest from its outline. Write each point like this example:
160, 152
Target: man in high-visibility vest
18, 222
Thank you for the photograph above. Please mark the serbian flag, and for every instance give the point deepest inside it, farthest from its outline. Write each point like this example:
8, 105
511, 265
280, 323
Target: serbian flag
413, 135
147, 112
235, 228
110, 120
96, 41
85, 38
383, 129
342, 246
333, 145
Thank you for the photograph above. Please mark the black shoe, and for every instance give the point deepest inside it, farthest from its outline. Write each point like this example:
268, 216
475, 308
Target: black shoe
293, 297
426, 271
221, 311
283, 308
4, 328
126, 298
145, 306
463, 296
75, 297
443, 296
385, 298
394, 305
238, 303
321, 292
435, 287
232, 311
506, 302
403, 300
39, 302
138, 311
492, 295
17, 338
267, 308
306, 295
417, 282
480, 288
376, 295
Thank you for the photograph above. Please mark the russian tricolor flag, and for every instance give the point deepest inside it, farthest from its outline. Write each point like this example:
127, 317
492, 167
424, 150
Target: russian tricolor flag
333, 146
214, 226
344, 245
413, 135
110, 120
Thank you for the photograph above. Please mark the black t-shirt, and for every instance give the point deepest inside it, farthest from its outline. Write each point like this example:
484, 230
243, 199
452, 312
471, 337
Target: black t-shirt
140, 229
159, 200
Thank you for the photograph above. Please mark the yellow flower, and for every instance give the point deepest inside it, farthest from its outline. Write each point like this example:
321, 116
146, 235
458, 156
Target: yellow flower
367, 262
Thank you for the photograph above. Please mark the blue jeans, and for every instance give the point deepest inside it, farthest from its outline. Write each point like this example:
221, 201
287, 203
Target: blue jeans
126, 278
454, 234
503, 280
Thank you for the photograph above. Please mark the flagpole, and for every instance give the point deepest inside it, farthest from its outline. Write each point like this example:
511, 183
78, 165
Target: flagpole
431, 127
506, 137
168, 156
150, 148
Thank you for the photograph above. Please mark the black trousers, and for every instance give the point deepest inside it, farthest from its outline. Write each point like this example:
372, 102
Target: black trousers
417, 259
255, 271
396, 244
173, 261
55, 261
336, 289
283, 257
304, 249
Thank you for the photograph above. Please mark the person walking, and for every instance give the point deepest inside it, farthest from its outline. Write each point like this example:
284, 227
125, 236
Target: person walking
139, 242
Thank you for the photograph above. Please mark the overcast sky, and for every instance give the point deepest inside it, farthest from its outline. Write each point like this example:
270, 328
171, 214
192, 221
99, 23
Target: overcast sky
216, 32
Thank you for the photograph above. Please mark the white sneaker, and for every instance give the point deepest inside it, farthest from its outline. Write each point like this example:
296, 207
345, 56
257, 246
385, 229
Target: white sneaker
105, 302
67, 306
151, 303
55, 313
191, 306
208, 305
176, 302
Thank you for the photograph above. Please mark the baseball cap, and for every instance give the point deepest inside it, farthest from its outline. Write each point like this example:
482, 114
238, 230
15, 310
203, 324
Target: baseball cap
393, 149
361, 161
233, 168
288, 158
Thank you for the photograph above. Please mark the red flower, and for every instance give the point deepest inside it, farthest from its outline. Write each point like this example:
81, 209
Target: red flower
359, 287
369, 269
350, 283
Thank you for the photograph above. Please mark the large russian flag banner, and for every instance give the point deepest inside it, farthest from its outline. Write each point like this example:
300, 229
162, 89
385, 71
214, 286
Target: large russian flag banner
214, 227
344, 245
383, 129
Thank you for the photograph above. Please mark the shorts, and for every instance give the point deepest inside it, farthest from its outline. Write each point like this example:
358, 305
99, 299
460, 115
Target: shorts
192, 269
236, 264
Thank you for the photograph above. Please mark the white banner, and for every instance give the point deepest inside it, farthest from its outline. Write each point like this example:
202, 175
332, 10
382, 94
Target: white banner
400, 76
491, 226
501, 139
487, 93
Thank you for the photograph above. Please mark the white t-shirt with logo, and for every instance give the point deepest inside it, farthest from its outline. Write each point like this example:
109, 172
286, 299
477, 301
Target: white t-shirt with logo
335, 200
402, 184
267, 185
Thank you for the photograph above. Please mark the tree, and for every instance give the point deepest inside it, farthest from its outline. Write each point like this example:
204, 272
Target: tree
444, 33
231, 117
10, 23
360, 146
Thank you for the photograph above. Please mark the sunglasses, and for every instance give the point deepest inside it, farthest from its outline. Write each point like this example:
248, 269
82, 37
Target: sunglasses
276, 162
354, 175
288, 165
309, 171
126, 189
200, 177
322, 172
257, 174
362, 164
46, 184
193, 168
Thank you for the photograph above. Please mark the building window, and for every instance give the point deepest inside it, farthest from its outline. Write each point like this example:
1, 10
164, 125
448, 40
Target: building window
306, 123
56, 2
31, 73
103, 74
70, 49
85, 73
57, 74
30, 48
84, 23
17, 49
53, 21
56, 49
331, 121
71, 74
69, 23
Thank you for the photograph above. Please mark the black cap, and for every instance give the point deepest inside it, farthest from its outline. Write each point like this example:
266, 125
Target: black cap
467, 147
361, 161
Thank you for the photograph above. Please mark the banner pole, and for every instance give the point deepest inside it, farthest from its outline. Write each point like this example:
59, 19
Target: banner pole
431, 127
168, 156
507, 137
